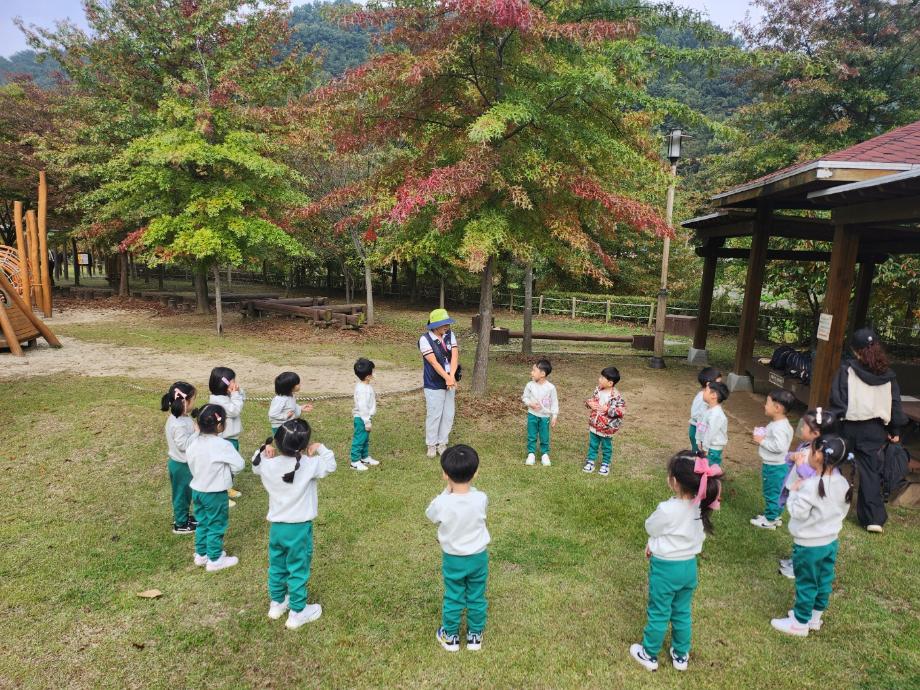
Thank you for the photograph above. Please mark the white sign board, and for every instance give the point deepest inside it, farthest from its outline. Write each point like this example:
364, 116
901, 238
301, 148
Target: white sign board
83, 259
824, 326
776, 379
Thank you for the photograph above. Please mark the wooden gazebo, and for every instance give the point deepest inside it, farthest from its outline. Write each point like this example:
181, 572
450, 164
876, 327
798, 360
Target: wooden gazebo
872, 193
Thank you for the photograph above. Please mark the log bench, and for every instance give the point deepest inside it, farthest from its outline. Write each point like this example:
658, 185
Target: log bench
346, 315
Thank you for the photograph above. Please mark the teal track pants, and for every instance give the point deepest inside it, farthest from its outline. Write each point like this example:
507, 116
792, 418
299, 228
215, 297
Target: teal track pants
179, 479
464, 588
290, 552
714, 457
537, 426
604, 443
691, 432
360, 441
212, 509
772, 477
814, 577
670, 592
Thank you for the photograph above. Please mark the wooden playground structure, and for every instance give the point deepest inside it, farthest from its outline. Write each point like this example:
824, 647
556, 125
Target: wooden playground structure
25, 278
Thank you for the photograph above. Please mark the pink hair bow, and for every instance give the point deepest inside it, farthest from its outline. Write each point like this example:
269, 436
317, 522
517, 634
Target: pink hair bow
702, 467
179, 394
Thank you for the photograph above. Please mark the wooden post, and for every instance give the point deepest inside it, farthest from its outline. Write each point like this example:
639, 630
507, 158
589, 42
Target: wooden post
9, 333
6, 287
836, 300
34, 261
753, 286
607, 317
23, 248
651, 314
573, 307
704, 310
527, 341
43, 243
863, 293
540, 307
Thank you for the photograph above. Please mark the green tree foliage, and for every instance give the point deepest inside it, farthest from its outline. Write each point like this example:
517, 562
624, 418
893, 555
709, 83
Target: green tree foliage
339, 48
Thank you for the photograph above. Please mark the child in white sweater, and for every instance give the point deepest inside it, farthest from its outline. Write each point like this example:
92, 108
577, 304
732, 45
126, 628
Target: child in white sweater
362, 413
773, 441
284, 405
542, 410
698, 407
289, 472
460, 514
213, 461
226, 392
676, 531
817, 507
712, 429
180, 432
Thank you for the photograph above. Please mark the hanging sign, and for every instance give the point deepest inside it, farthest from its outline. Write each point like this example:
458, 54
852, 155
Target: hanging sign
824, 326
83, 259
776, 379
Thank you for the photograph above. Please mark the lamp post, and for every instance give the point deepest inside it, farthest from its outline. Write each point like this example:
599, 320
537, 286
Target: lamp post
657, 360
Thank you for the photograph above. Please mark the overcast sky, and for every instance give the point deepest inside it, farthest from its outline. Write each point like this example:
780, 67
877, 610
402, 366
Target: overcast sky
45, 12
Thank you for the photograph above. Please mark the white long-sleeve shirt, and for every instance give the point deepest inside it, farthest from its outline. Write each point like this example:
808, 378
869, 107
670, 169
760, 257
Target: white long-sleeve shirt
213, 461
698, 408
365, 402
283, 408
543, 393
816, 521
180, 432
461, 521
297, 501
712, 430
776, 442
675, 530
233, 406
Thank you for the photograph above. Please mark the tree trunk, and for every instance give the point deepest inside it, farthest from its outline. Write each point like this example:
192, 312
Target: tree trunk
481, 366
218, 307
265, 272
393, 271
369, 294
65, 262
123, 271
229, 277
76, 263
441, 300
527, 342
412, 270
161, 272
201, 289
347, 276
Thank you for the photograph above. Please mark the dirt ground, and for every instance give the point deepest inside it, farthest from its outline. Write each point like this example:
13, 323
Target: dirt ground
322, 375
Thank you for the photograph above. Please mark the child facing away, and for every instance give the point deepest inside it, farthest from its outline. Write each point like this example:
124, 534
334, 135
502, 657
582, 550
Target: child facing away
542, 410
676, 531
226, 392
817, 507
180, 432
460, 514
289, 472
284, 405
699, 407
813, 424
712, 428
607, 409
363, 412
213, 461
773, 441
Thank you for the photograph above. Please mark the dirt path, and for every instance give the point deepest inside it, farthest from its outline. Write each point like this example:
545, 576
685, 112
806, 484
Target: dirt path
322, 375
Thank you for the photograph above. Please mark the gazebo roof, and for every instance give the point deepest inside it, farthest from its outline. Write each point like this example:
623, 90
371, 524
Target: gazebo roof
792, 186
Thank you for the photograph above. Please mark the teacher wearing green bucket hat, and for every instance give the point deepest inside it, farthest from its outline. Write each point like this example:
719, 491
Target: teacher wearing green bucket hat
441, 360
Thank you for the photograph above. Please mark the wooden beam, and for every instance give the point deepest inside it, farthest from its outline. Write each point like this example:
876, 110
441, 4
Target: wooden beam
836, 300
34, 261
863, 293
8, 288
881, 211
23, 248
43, 243
9, 333
707, 286
783, 254
753, 286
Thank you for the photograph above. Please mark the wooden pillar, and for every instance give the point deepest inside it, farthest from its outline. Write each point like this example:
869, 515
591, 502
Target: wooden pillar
753, 286
705, 304
42, 228
863, 293
24, 258
34, 259
836, 301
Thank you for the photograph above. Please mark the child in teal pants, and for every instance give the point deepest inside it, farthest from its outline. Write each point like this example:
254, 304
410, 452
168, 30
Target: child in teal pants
363, 412
698, 407
289, 470
542, 411
213, 461
180, 432
676, 531
607, 409
460, 514
774, 441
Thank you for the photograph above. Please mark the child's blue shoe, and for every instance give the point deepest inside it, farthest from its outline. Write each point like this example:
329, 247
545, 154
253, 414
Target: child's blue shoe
679, 661
637, 652
604, 470
473, 641
450, 642
589, 467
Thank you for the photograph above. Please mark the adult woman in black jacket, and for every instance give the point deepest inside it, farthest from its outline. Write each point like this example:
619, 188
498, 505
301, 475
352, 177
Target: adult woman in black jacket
865, 394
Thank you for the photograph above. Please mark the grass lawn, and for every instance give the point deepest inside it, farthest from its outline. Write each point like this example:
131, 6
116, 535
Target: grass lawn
87, 517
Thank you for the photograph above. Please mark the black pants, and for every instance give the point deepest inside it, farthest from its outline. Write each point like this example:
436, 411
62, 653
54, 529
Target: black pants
864, 440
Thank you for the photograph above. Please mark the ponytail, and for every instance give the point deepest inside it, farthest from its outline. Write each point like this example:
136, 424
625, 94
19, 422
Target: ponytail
834, 455
257, 457
289, 476
176, 397
292, 439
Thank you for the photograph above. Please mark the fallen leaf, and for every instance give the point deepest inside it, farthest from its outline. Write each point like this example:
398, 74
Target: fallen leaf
150, 594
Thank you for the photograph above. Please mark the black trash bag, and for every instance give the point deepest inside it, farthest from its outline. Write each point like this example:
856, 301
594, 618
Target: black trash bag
893, 459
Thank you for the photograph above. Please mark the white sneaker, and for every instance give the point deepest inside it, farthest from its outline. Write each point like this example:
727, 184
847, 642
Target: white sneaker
370, 461
875, 529
545, 460
297, 618
201, 560
441, 448
531, 459
815, 622
432, 451
786, 569
638, 653
762, 522
790, 626
231, 503
360, 466
589, 466
224, 561
679, 662
276, 609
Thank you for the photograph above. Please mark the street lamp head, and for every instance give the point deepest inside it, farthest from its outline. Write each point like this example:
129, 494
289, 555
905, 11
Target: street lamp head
674, 139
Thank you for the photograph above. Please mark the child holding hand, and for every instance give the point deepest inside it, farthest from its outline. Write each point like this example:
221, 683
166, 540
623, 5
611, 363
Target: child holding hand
180, 432
542, 410
605, 419
226, 392
773, 441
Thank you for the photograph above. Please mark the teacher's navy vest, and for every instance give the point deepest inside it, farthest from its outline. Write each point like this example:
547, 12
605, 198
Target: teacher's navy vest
442, 353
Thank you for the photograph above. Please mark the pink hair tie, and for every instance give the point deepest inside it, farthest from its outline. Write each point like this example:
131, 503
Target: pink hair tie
179, 394
702, 467
217, 417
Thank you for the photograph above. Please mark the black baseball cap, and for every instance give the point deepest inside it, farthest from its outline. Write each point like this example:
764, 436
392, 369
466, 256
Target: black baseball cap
863, 338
